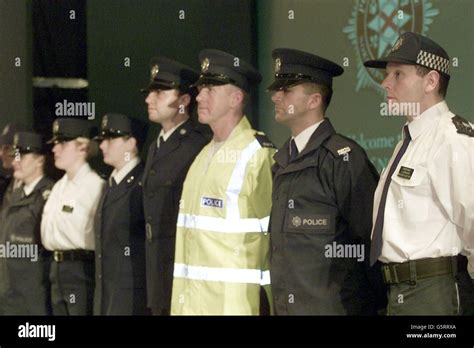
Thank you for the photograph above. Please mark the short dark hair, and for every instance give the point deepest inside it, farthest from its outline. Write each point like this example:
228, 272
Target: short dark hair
443, 80
325, 91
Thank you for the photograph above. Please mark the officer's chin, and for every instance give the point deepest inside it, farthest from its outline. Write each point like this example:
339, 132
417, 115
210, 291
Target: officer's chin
203, 117
279, 116
17, 174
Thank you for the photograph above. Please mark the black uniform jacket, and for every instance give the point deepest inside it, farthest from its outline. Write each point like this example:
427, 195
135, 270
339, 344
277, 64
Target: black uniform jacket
120, 249
24, 284
320, 228
163, 179
4, 182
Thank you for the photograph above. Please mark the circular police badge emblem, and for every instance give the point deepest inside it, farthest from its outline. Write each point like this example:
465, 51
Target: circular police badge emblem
155, 69
205, 65
376, 25
277, 65
296, 221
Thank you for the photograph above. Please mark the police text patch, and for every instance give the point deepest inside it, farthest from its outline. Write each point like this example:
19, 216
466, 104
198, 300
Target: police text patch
405, 172
212, 202
301, 222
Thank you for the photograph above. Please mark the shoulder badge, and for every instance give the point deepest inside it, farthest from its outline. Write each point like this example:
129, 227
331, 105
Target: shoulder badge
338, 145
264, 141
343, 150
463, 126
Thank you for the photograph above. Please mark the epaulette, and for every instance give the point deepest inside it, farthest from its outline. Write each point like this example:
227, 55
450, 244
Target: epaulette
338, 145
264, 141
463, 126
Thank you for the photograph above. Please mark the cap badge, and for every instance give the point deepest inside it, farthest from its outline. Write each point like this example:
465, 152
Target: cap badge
205, 65
277, 65
56, 127
155, 69
397, 45
104, 122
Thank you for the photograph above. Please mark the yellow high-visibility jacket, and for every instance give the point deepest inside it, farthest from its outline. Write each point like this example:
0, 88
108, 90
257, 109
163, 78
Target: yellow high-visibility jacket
222, 241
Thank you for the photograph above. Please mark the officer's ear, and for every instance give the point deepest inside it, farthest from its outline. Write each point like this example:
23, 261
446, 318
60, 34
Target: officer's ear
184, 100
131, 143
314, 101
431, 82
236, 96
41, 160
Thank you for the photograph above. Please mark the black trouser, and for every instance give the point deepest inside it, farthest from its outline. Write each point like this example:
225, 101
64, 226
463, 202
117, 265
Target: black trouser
423, 287
72, 287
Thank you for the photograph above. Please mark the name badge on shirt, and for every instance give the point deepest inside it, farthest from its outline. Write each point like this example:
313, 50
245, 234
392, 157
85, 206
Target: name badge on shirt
405, 172
68, 209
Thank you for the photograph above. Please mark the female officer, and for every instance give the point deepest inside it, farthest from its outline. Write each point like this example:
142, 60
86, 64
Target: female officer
68, 217
25, 286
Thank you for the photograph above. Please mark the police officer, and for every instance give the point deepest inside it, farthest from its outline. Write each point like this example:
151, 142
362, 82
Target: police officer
68, 218
6, 155
120, 287
25, 285
222, 243
323, 184
424, 203
169, 99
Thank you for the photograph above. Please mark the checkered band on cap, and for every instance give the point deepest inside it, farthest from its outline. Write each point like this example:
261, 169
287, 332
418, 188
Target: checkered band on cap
433, 61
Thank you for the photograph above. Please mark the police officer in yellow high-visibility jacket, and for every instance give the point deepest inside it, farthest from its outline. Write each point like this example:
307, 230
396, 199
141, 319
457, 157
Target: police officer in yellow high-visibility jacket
222, 244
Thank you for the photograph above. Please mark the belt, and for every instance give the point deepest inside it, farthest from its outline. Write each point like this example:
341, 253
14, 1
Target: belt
73, 255
410, 271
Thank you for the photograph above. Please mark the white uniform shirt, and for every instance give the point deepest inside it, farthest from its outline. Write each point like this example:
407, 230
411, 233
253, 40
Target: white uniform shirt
301, 140
167, 134
430, 214
68, 215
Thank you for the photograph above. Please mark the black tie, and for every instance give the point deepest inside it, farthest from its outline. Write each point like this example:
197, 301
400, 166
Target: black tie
161, 141
293, 150
376, 245
112, 182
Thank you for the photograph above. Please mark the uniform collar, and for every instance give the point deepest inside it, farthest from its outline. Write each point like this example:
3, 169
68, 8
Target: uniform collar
31, 186
125, 170
322, 132
427, 119
243, 125
302, 139
167, 134
83, 171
